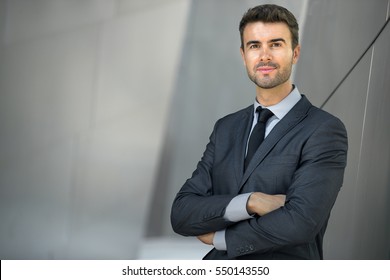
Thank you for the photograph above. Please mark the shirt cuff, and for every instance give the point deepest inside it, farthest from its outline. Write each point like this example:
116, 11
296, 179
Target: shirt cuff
219, 241
236, 210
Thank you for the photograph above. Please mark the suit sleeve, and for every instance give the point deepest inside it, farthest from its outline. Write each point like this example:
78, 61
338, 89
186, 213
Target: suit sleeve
196, 209
309, 199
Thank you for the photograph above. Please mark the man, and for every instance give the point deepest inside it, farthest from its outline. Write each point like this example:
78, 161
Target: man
270, 201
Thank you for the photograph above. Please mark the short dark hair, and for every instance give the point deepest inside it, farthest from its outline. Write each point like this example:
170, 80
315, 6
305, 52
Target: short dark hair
270, 13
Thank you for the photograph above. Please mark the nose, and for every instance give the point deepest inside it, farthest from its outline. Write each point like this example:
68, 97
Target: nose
265, 54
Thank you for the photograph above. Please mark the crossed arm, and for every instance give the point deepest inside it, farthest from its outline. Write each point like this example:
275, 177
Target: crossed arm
199, 211
258, 203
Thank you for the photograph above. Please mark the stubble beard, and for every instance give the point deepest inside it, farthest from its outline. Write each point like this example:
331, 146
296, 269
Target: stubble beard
266, 82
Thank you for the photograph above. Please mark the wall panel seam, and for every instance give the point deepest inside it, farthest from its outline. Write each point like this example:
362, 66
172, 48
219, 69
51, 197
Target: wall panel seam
354, 66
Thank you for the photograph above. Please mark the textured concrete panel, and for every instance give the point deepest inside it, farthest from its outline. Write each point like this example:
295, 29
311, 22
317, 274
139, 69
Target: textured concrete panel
138, 57
83, 105
139, 6
35, 197
111, 189
374, 177
359, 225
336, 34
341, 236
31, 19
46, 90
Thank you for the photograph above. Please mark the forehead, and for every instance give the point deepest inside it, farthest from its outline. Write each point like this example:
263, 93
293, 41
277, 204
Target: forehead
265, 31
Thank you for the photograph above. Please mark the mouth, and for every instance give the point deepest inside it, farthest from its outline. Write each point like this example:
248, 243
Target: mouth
265, 69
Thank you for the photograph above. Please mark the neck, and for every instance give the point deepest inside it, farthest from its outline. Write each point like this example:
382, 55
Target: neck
272, 96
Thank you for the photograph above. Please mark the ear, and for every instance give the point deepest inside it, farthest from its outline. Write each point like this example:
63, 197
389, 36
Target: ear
296, 53
242, 55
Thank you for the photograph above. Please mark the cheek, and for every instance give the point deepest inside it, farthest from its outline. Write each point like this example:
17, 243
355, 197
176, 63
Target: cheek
285, 60
250, 60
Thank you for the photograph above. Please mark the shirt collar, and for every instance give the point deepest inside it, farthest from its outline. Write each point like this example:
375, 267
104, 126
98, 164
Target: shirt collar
283, 107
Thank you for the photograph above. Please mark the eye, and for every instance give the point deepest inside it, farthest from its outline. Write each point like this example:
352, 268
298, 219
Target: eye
254, 46
276, 45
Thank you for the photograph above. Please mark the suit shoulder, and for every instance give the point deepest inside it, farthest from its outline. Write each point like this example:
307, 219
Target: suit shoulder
321, 113
316, 114
320, 116
238, 115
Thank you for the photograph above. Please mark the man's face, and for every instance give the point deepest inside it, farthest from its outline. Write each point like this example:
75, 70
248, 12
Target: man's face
267, 53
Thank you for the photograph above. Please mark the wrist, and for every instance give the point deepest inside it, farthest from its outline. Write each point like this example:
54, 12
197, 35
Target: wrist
250, 205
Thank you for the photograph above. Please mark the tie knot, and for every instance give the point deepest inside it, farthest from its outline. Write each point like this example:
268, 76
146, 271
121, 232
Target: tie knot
264, 114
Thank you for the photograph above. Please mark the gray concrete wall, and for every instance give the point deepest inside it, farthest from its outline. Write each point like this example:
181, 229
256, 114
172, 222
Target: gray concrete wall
345, 69
106, 107
84, 94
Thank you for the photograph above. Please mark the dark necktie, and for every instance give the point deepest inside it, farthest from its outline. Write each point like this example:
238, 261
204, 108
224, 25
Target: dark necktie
258, 132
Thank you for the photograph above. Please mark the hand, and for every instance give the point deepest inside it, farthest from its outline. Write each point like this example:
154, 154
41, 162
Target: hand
261, 203
207, 238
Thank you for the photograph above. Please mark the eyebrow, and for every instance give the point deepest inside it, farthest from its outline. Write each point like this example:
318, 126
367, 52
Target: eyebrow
270, 41
277, 40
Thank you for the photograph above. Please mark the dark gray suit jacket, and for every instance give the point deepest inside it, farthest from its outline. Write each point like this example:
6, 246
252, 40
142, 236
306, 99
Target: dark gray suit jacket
304, 157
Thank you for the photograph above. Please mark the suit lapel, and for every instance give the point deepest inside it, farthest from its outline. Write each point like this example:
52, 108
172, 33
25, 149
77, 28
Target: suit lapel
242, 137
295, 116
